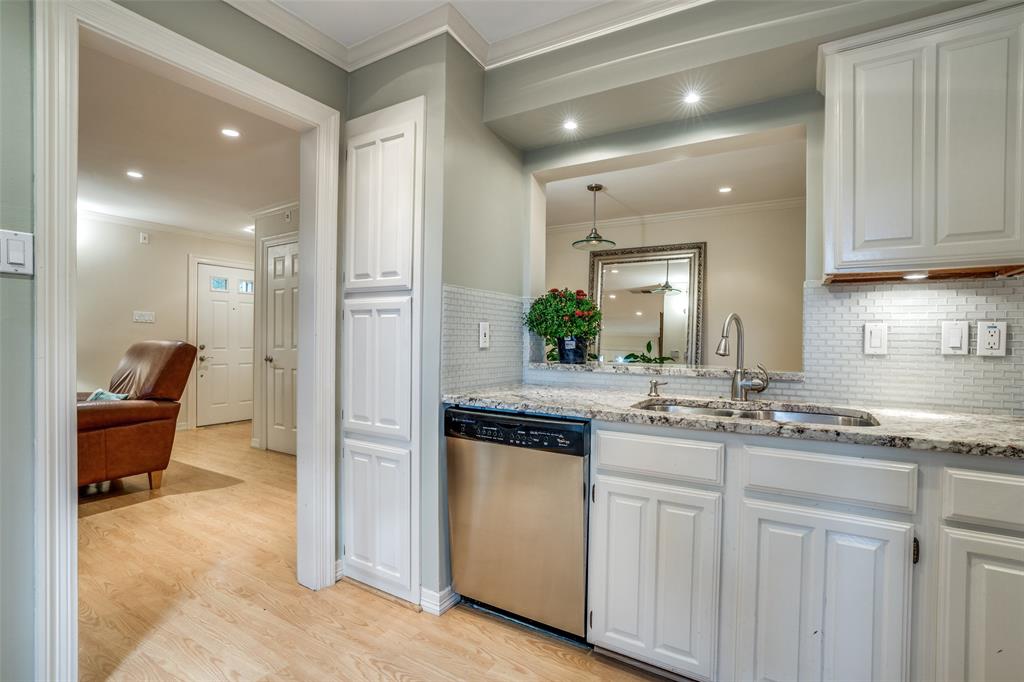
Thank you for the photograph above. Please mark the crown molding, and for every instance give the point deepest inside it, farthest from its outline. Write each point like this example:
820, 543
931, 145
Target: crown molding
276, 18
673, 216
149, 226
567, 31
274, 208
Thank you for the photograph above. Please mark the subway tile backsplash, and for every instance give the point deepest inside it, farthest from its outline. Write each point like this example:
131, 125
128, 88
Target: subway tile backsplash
914, 374
464, 365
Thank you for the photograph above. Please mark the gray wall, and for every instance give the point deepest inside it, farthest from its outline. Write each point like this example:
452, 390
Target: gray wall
420, 70
16, 521
485, 197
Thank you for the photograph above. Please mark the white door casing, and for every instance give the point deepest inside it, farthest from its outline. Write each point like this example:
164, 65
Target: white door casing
224, 332
981, 602
57, 26
281, 343
823, 595
653, 576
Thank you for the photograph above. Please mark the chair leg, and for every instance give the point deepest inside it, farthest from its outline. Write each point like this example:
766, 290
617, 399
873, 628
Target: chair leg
155, 479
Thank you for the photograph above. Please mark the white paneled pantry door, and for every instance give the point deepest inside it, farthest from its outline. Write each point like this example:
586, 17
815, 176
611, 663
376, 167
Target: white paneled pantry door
381, 349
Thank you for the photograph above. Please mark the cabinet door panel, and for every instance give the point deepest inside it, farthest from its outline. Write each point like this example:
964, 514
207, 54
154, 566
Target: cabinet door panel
377, 366
359, 509
823, 595
654, 574
978, 141
981, 600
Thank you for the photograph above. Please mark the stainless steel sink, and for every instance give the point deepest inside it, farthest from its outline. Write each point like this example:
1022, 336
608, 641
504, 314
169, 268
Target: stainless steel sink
852, 418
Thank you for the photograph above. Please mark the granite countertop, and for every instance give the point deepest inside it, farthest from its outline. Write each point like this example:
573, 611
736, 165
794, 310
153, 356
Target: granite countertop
967, 434
667, 369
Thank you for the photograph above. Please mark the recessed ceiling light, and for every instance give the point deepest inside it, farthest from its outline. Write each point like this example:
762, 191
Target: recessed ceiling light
615, 272
639, 312
691, 97
249, 228
230, 132
725, 190
134, 174
570, 124
611, 295
916, 275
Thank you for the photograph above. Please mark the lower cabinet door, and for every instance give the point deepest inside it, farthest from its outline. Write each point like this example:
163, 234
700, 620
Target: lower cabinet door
377, 517
981, 607
823, 595
654, 562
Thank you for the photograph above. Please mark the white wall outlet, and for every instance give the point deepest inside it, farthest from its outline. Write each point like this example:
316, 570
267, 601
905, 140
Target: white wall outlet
485, 334
143, 237
288, 216
143, 316
16, 252
991, 338
955, 337
876, 338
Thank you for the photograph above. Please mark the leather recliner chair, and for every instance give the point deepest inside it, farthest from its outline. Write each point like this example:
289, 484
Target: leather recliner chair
118, 438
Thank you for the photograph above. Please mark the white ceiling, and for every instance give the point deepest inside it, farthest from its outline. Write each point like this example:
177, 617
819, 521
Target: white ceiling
351, 22
194, 177
759, 173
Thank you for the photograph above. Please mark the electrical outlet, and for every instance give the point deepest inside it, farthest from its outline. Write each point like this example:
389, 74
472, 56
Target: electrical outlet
485, 335
992, 338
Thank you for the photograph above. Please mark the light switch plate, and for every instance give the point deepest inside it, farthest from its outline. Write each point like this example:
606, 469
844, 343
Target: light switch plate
16, 252
143, 316
876, 338
485, 335
143, 237
991, 338
955, 338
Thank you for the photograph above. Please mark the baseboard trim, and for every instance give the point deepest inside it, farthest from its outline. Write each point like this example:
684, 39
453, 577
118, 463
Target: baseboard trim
182, 426
436, 603
255, 443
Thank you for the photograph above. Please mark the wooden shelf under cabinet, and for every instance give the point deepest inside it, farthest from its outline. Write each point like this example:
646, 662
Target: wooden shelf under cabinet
980, 272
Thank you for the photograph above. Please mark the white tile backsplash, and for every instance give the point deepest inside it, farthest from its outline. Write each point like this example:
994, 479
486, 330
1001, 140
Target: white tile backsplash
913, 374
464, 365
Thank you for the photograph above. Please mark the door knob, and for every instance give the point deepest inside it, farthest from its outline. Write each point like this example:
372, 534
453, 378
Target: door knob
202, 346
269, 358
203, 358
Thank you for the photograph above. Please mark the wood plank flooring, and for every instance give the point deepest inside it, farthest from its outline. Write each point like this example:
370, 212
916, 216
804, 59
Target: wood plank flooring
196, 581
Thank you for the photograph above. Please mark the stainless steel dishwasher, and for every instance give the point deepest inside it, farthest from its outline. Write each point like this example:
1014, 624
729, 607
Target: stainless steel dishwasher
517, 511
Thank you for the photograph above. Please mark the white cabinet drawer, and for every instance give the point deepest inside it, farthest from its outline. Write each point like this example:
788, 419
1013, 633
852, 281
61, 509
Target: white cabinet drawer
675, 458
983, 498
866, 482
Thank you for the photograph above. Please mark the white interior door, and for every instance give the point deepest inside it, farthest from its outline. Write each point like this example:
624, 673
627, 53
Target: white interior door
282, 342
225, 336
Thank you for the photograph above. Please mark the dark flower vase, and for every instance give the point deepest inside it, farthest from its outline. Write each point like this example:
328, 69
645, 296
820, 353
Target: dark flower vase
572, 350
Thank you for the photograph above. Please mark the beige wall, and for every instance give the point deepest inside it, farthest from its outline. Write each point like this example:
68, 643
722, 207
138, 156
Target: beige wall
117, 275
278, 221
755, 267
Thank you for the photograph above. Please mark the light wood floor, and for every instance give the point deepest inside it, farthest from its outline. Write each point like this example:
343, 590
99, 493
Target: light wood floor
196, 581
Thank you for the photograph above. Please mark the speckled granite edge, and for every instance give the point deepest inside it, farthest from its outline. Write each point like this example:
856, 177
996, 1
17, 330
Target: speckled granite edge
965, 434
667, 369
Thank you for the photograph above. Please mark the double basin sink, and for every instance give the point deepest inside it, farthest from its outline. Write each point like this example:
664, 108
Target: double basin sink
824, 416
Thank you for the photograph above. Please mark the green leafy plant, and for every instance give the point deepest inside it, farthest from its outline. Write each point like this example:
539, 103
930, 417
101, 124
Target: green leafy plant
562, 312
646, 358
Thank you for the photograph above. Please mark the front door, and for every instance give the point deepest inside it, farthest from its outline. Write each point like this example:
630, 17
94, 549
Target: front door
282, 330
225, 338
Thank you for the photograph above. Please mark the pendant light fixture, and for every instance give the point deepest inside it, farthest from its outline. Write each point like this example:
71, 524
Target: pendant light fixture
593, 240
666, 288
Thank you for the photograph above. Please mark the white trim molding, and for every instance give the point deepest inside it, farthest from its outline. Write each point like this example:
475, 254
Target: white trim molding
149, 226
58, 26
673, 216
576, 28
436, 603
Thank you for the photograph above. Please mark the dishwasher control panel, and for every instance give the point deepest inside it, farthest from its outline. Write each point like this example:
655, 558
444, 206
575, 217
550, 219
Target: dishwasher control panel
538, 433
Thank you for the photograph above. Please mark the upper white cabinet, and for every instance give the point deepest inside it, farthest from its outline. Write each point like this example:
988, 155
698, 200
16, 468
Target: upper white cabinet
923, 145
380, 215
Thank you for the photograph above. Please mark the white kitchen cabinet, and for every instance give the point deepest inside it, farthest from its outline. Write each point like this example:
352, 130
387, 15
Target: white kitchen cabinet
822, 595
923, 146
981, 607
653, 578
377, 366
381, 219
376, 515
